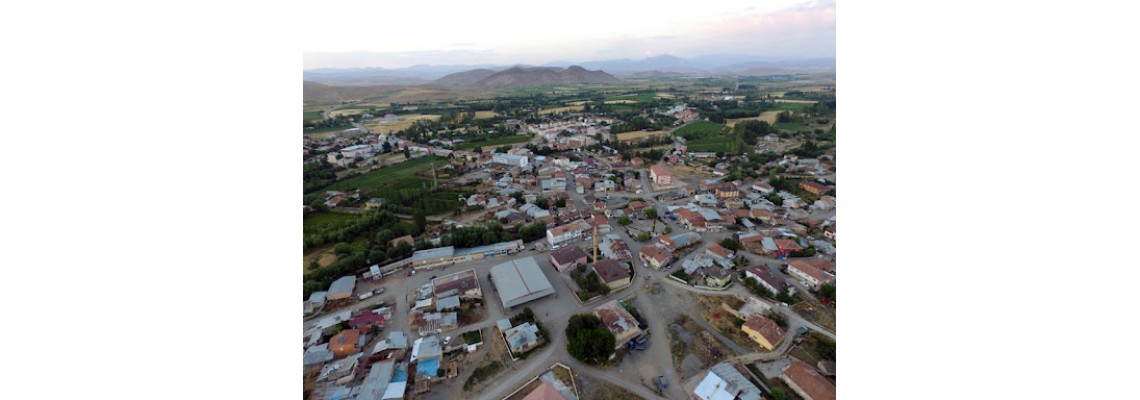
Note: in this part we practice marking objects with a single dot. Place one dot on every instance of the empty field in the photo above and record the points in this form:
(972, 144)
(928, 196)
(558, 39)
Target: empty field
(769, 116)
(405, 121)
(395, 177)
(347, 112)
(488, 144)
(638, 135)
(485, 114)
(312, 115)
(560, 109)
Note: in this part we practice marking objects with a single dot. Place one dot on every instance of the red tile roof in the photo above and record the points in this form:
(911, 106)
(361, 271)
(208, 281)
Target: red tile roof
(810, 381)
(567, 255)
(767, 328)
(611, 270)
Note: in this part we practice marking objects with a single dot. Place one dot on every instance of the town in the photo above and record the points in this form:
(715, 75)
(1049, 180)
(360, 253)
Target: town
(674, 239)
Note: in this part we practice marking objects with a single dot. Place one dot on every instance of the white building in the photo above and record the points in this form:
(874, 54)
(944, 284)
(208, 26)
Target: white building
(511, 159)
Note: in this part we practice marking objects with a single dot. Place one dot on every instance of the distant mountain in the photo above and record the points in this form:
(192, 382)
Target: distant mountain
(663, 65)
(465, 78)
(538, 76)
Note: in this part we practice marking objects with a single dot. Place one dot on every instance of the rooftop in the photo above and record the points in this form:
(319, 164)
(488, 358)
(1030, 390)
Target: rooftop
(516, 279)
(611, 270)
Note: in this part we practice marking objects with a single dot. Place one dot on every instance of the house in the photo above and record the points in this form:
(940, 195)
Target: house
(562, 234)
(727, 191)
(807, 382)
(613, 273)
(691, 219)
(553, 185)
(463, 284)
(813, 276)
(679, 241)
(823, 264)
(522, 338)
(827, 368)
(763, 188)
(767, 279)
(661, 175)
(636, 162)
(567, 258)
(344, 343)
(829, 232)
(364, 320)
(764, 331)
(655, 256)
(724, 382)
(545, 391)
(343, 368)
(813, 187)
(619, 321)
(717, 276)
(706, 199)
(406, 239)
(786, 246)
(341, 288)
(720, 254)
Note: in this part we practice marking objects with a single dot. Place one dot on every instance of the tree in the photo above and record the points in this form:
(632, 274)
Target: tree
(730, 244)
(827, 290)
(668, 229)
(643, 237)
(624, 220)
(589, 339)
(561, 202)
(407, 153)
(421, 219)
(651, 213)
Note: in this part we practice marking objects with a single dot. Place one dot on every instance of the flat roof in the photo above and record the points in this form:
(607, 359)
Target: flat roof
(433, 253)
(519, 278)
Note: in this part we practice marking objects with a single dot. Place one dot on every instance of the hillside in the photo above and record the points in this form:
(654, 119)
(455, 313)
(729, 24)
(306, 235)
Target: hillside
(540, 76)
(465, 78)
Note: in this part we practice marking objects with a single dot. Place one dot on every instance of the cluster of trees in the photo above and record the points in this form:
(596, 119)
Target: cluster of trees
(808, 252)
(371, 221)
(318, 174)
(589, 340)
(730, 244)
(827, 290)
(334, 122)
(354, 257)
(809, 150)
(635, 124)
(643, 237)
(588, 283)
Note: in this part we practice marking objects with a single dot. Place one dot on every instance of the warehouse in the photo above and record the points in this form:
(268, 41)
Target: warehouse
(520, 281)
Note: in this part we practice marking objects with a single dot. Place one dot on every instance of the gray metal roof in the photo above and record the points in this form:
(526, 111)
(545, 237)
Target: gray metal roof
(519, 278)
(447, 302)
(343, 284)
(376, 383)
(430, 254)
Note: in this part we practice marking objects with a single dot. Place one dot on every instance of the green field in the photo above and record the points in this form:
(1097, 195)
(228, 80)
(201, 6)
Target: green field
(489, 144)
(640, 97)
(792, 126)
(326, 130)
(395, 177)
(314, 221)
(312, 115)
(790, 107)
(701, 129)
(712, 143)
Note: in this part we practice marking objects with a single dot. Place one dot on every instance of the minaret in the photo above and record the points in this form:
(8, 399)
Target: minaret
(595, 241)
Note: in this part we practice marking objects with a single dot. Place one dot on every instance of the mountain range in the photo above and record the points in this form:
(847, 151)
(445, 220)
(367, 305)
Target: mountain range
(484, 75)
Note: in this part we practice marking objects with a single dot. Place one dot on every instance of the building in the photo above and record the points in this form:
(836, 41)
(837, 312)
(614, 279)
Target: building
(655, 256)
(764, 331)
(815, 188)
(545, 391)
(511, 159)
(727, 191)
(364, 320)
(391, 119)
(341, 288)
(567, 258)
(807, 382)
(613, 273)
(463, 284)
(344, 343)
(553, 185)
(661, 175)
(808, 273)
(522, 338)
(564, 233)
(619, 321)
(716, 276)
(767, 279)
(720, 254)
(520, 281)
(724, 382)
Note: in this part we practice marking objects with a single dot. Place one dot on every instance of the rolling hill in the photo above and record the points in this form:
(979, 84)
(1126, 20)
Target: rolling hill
(519, 76)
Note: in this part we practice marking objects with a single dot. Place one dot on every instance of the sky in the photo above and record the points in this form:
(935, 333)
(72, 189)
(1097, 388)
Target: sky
(356, 34)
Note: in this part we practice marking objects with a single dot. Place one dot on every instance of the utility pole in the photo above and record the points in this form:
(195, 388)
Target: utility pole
(595, 241)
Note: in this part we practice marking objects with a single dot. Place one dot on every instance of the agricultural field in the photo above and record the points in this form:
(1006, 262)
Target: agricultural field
(768, 116)
(700, 129)
(792, 126)
(487, 145)
(485, 114)
(321, 133)
(391, 178)
(312, 115)
(713, 144)
(797, 101)
(347, 112)
(638, 135)
(405, 121)
(560, 109)
(631, 98)
(621, 101)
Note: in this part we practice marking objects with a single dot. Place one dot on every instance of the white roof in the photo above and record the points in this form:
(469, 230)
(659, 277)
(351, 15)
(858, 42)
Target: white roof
(713, 388)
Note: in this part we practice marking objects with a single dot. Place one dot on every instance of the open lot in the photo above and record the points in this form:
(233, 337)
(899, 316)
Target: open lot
(405, 121)
(638, 135)
(594, 389)
(560, 109)
(723, 321)
(490, 144)
(817, 314)
(693, 348)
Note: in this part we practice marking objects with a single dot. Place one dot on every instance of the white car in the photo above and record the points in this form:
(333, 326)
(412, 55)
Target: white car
(447, 340)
